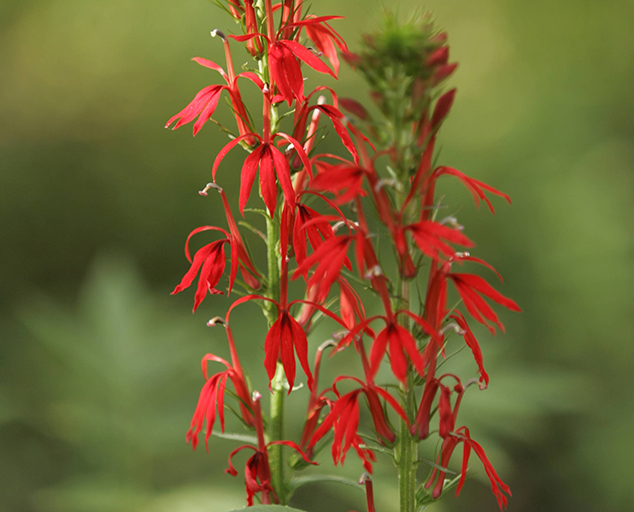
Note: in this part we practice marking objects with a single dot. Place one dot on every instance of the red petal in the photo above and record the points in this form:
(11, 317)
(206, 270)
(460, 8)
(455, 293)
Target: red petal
(247, 176)
(268, 185)
(272, 348)
(308, 57)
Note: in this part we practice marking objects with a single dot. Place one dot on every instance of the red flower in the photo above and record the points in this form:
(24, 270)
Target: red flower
(473, 344)
(309, 223)
(204, 103)
(330, 257)
(212, 397)
(284, 67)
(470, 288)
(284, 338)
(344, 419)
(431, 238)
(345, 180)
(326, 40)
(257, 472)
(398, 340)
(421, 426)
(210, 260)
(449, 444)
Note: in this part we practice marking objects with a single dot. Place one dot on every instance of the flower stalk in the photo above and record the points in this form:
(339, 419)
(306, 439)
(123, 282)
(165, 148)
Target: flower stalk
(325, 215)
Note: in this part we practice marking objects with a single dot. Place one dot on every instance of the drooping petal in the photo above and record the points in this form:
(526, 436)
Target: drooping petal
(268, 185)
(247, 176)
(272, 348)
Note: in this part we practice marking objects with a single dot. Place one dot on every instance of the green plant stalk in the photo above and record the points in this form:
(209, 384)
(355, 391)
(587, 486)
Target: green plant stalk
(276, 432)
(406, 451)
(276, 418)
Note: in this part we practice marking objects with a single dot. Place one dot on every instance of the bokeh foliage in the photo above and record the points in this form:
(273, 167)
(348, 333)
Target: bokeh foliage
(99, 368)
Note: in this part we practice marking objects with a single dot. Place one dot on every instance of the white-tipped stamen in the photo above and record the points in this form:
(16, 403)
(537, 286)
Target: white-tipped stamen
(453, 222)
(385, 182)
(453, 326)
(365, 477)
(209, 186)
(256, 396)
(217, 32)
(314, 50)
(215, 321)
(375, 271)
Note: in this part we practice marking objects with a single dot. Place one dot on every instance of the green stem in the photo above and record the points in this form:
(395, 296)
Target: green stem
(406, 450)
(276, 432)
(407, 454)
(276, 418)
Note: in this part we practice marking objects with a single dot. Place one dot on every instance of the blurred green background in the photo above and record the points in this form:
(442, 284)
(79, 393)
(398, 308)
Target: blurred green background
(99, 367)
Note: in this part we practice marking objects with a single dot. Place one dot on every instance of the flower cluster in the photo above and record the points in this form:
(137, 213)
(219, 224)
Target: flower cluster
(325, 215)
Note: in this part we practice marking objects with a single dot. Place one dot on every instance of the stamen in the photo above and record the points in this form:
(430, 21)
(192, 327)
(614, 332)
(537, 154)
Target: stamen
(364, 478)
(216, 32)
(453, 326)
(375, 271)
(204, 191)
(314, 50)
(215, 321)
(256, 396)
(383, 182)
(453, 221)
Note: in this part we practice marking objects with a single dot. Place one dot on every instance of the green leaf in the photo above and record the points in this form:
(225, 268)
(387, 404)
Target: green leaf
(268, 508)
(237, 437)
(296, 483)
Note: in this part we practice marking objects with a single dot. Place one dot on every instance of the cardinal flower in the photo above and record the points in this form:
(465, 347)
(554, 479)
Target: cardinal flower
(398, 340)
(462, 435)
(212, 398)
(285, 338)
(210, 260)
(204, 103)
(343, 418)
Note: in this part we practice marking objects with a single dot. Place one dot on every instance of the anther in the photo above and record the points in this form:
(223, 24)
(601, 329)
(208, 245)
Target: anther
(216, 32)
(384, 182)
(365, 477)
(453, 221)
(375, 271)
(315, 51)
(204, 191)
(256, 396)
(465, 254)
(453, 326)
(266, 89)
(215, 321)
